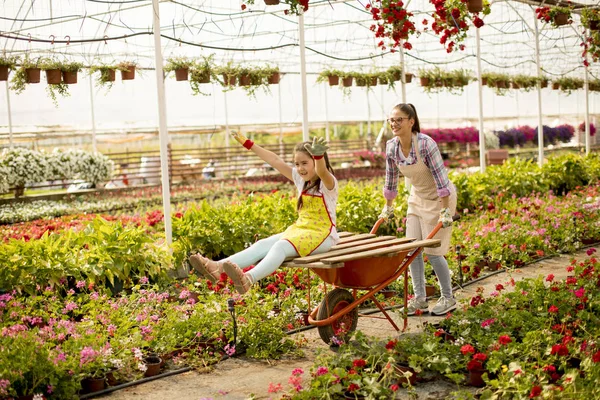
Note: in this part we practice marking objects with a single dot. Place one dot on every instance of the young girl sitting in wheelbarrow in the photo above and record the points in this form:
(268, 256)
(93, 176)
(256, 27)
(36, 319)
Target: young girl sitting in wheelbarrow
(314, 232)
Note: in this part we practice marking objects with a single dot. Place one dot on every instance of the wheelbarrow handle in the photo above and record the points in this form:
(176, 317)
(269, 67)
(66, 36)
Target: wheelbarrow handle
(435, 230)
(439, 225)
(376, 226)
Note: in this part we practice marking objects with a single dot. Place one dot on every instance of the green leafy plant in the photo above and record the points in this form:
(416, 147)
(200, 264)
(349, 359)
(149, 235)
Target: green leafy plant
(555, 15)
(202, 72)
(568, 84)
(498, 82)
(107, 75)
(524, 82)
(54, 89)
(19, 79)
(326, 74)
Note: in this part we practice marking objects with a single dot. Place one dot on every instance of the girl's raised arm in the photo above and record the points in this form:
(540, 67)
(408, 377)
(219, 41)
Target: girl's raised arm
(317, 150)
(266, 155)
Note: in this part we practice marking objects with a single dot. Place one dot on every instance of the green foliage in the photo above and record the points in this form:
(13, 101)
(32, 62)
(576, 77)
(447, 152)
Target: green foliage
(19, 79)
(566, 172)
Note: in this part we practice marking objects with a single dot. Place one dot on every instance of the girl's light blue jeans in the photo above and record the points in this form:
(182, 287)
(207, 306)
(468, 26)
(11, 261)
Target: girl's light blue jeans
(272, 251)
(417, 267)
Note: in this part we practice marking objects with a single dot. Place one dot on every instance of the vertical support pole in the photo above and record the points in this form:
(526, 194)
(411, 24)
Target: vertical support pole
(480, 101)
(227, 130)
(9, 113)
(539, 95)
(402, 77)
(587, 102)
(281, 148)
(162, 127)
(303, 77)
(94, 147)
(326, 114)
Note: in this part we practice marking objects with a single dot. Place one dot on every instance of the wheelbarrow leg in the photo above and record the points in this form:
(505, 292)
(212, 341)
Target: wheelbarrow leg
(405, 316)
(378, 304)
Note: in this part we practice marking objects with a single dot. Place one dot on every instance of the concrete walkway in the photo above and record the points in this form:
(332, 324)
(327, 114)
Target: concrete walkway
(241, 378)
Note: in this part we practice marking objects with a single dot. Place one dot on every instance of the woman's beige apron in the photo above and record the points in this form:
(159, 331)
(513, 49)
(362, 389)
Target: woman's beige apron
(312, 227)
(425, 203)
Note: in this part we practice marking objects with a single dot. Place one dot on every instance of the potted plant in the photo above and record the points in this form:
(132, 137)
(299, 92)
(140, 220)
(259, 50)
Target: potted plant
(181, 66)
(229, 73)
(7, 64)
(201, 73)
(451, 19)
(107, 74)
(69, 71)
(568, 84)
(330, 75)
(497, 82)
(555, 15)
(29, 72)
(54, 77)
(127, 69)
(524, 82)
(273, 75)
(392, 23)
(590, 18)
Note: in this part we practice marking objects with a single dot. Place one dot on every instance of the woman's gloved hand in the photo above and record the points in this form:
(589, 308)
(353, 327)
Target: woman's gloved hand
(243, 140)
(318, 148)
(445, 217)
(386, 213)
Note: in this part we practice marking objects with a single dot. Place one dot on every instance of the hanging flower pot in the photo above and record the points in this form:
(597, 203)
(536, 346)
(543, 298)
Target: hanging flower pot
(271, 2)
(347, 81)
(53, 76)
(245, 80)
(334, 80)
(483, 81)
(127, 71)
(181, 74)
(361, 82)
(274, 78)
(229, 80)
(475, 6)
(33, 75)
(501, 84)
(561, 19)
(69, 77)
(3, 72)
(424, 81)
(594, 26)
(408, 77)
(555, 85)
(515, 85)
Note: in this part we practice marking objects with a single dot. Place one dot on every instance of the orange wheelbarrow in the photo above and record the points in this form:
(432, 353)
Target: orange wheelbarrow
(359, 262)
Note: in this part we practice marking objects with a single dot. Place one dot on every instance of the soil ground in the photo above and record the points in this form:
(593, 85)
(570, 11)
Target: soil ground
(241, 378)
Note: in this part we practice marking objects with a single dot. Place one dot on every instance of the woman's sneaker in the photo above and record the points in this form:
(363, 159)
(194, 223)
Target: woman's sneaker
(443, 305)
(414, 304)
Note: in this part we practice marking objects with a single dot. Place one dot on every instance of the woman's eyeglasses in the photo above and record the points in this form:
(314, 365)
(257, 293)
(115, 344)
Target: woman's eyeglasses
(396, 121)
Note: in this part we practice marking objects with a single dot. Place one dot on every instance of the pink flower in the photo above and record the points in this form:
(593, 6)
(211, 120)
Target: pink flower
(297, 372)
(579, 292)
(322, 371)
(591, 251)
(275, 388)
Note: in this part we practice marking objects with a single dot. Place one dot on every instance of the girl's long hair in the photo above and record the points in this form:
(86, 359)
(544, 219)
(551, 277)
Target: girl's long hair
(307, 185)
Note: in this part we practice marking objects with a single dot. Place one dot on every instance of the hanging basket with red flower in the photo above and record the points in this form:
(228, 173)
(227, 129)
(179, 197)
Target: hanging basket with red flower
(392, 23)
(450, 21)
(556, 15)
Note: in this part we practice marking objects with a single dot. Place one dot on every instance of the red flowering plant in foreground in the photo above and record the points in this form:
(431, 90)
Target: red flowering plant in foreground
(392, 23)
(450, 20)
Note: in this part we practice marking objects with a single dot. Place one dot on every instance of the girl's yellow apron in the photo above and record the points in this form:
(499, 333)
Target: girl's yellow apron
(312, 227)
(425, 203)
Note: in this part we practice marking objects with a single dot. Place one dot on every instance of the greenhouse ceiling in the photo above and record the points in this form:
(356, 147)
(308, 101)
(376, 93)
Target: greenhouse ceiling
(337, 35)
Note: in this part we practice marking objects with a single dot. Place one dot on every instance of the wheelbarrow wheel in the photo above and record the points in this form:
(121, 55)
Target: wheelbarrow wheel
(335, 301)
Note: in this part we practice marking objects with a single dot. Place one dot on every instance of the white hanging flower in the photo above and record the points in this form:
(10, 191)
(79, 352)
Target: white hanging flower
(24, 166)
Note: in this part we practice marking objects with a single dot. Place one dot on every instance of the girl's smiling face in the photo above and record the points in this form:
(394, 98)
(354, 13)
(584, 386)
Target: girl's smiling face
(305, 165)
